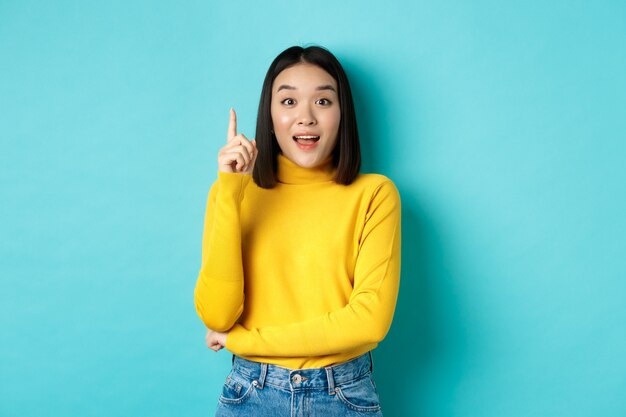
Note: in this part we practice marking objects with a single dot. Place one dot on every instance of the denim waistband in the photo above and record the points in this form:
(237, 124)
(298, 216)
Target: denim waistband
(302, 379)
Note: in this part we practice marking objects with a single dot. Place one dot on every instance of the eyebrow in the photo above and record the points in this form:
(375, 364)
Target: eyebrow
(320, 88)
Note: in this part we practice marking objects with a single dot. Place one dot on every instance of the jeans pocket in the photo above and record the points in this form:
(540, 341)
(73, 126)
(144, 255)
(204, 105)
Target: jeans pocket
(359, 395)
(236, 389)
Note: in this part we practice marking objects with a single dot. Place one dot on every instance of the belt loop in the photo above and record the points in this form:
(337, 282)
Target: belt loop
(371, 362)
(331, 380)
(263, 375)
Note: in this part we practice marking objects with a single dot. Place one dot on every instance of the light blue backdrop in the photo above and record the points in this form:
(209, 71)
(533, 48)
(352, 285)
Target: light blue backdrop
(503, 125)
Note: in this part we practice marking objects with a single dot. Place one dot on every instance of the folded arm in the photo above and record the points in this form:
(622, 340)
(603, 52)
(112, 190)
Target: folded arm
(367, 316)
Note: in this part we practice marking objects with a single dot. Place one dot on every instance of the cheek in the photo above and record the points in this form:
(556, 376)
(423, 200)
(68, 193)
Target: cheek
(333, 121)
(280, 120)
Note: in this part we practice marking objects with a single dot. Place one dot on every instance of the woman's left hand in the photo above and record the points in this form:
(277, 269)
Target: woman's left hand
(215, 340)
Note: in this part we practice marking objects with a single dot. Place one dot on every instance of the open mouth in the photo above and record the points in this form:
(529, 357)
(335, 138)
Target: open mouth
(306, 139)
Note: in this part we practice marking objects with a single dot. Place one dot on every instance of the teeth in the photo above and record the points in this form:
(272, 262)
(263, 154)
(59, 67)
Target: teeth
(306, 137)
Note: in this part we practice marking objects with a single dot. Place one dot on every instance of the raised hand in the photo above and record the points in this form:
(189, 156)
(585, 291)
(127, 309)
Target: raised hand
(239, 154)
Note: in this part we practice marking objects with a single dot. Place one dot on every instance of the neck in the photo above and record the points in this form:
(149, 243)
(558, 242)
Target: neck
(291, 173)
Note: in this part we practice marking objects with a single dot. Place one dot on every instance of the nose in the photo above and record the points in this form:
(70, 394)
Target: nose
(306, 117)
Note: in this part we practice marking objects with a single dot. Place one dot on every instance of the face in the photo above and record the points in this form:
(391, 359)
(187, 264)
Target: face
(305, 114)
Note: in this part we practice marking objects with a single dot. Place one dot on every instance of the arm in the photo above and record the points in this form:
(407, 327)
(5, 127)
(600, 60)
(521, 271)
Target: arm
(219, 291)
(367, 316)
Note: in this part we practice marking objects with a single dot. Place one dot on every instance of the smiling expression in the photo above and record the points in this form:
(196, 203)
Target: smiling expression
(305, 114)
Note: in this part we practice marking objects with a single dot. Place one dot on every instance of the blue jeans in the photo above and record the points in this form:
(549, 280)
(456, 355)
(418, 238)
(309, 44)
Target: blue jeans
(260, 389)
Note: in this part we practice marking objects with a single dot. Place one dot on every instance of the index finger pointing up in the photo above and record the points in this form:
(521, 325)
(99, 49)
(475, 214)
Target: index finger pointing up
(232, 125)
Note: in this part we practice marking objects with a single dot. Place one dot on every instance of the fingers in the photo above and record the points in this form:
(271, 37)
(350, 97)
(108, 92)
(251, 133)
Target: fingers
(255, 153)
(232, 161)
(232, 133)
(232, 125)
(238, 155)
(241, 140)
(212, 341)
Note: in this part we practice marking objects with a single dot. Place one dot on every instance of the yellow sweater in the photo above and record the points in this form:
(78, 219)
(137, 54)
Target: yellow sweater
(303, 275)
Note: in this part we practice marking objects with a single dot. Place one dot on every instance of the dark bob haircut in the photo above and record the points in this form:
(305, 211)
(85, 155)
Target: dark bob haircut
(346, 156)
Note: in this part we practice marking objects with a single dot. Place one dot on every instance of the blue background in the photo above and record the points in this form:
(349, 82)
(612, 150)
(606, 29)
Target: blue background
(502, 123)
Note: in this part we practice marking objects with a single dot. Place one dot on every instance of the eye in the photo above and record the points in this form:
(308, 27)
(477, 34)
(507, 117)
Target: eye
(324, 102)
(288, 101)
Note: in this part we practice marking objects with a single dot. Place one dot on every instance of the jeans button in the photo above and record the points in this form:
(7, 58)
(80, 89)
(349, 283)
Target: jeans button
(297, 378)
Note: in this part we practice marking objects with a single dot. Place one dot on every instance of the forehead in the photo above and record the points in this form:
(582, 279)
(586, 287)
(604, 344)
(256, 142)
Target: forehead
(303, 76)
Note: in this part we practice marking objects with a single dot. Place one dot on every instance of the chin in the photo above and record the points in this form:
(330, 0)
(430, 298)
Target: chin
(307, 161)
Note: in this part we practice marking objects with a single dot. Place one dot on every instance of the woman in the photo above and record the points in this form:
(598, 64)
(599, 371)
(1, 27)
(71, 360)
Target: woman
(301, 253)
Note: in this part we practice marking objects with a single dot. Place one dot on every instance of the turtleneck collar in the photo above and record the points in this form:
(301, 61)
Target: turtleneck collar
(292, 173)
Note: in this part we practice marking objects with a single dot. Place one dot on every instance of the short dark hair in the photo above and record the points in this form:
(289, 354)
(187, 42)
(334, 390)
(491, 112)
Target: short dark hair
(346, 156)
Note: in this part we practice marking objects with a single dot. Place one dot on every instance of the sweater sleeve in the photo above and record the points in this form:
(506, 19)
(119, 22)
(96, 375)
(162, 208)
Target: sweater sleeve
(367, 316)
(219, 292)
